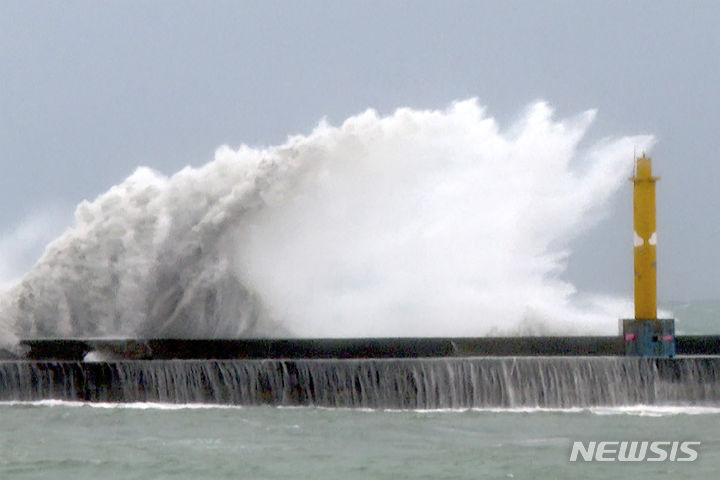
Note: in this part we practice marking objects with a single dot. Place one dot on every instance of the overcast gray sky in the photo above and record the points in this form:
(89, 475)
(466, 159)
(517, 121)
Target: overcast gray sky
(90, 90)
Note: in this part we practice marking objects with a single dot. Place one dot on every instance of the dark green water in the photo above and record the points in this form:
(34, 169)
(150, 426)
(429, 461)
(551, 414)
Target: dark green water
(74, 441)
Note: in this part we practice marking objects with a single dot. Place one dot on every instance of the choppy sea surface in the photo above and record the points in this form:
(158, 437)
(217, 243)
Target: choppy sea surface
(61, 440)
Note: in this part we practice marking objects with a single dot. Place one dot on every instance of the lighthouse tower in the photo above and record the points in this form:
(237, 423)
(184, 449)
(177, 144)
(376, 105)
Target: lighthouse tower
(646, 335)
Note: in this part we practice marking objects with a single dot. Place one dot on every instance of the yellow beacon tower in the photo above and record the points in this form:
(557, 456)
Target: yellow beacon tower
(646, 335)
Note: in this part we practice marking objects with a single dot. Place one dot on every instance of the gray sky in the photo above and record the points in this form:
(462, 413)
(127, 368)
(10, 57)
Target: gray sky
(90, 90)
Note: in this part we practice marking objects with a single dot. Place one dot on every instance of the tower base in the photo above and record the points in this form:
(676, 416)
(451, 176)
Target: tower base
(649, 338)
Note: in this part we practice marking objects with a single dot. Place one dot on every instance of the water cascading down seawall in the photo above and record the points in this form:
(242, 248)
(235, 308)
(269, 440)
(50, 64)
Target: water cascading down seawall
(368, 383)
(367, 373)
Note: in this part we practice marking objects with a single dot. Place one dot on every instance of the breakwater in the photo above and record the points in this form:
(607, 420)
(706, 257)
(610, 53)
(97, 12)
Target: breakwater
(416, 383)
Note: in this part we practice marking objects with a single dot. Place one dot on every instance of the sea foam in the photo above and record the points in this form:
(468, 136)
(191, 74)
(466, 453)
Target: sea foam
(417, 223)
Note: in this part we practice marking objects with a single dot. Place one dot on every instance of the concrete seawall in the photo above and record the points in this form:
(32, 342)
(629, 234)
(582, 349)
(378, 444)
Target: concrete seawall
(414, 383)
(326, 348)
(423, 373)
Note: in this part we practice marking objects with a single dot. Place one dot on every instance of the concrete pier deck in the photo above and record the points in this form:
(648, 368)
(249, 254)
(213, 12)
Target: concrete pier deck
(345, 348)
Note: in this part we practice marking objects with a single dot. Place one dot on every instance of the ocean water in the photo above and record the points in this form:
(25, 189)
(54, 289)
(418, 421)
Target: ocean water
(61, 440)
(699, 317)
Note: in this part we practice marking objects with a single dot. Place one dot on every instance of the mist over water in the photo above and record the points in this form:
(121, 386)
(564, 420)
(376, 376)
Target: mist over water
(418, 223)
